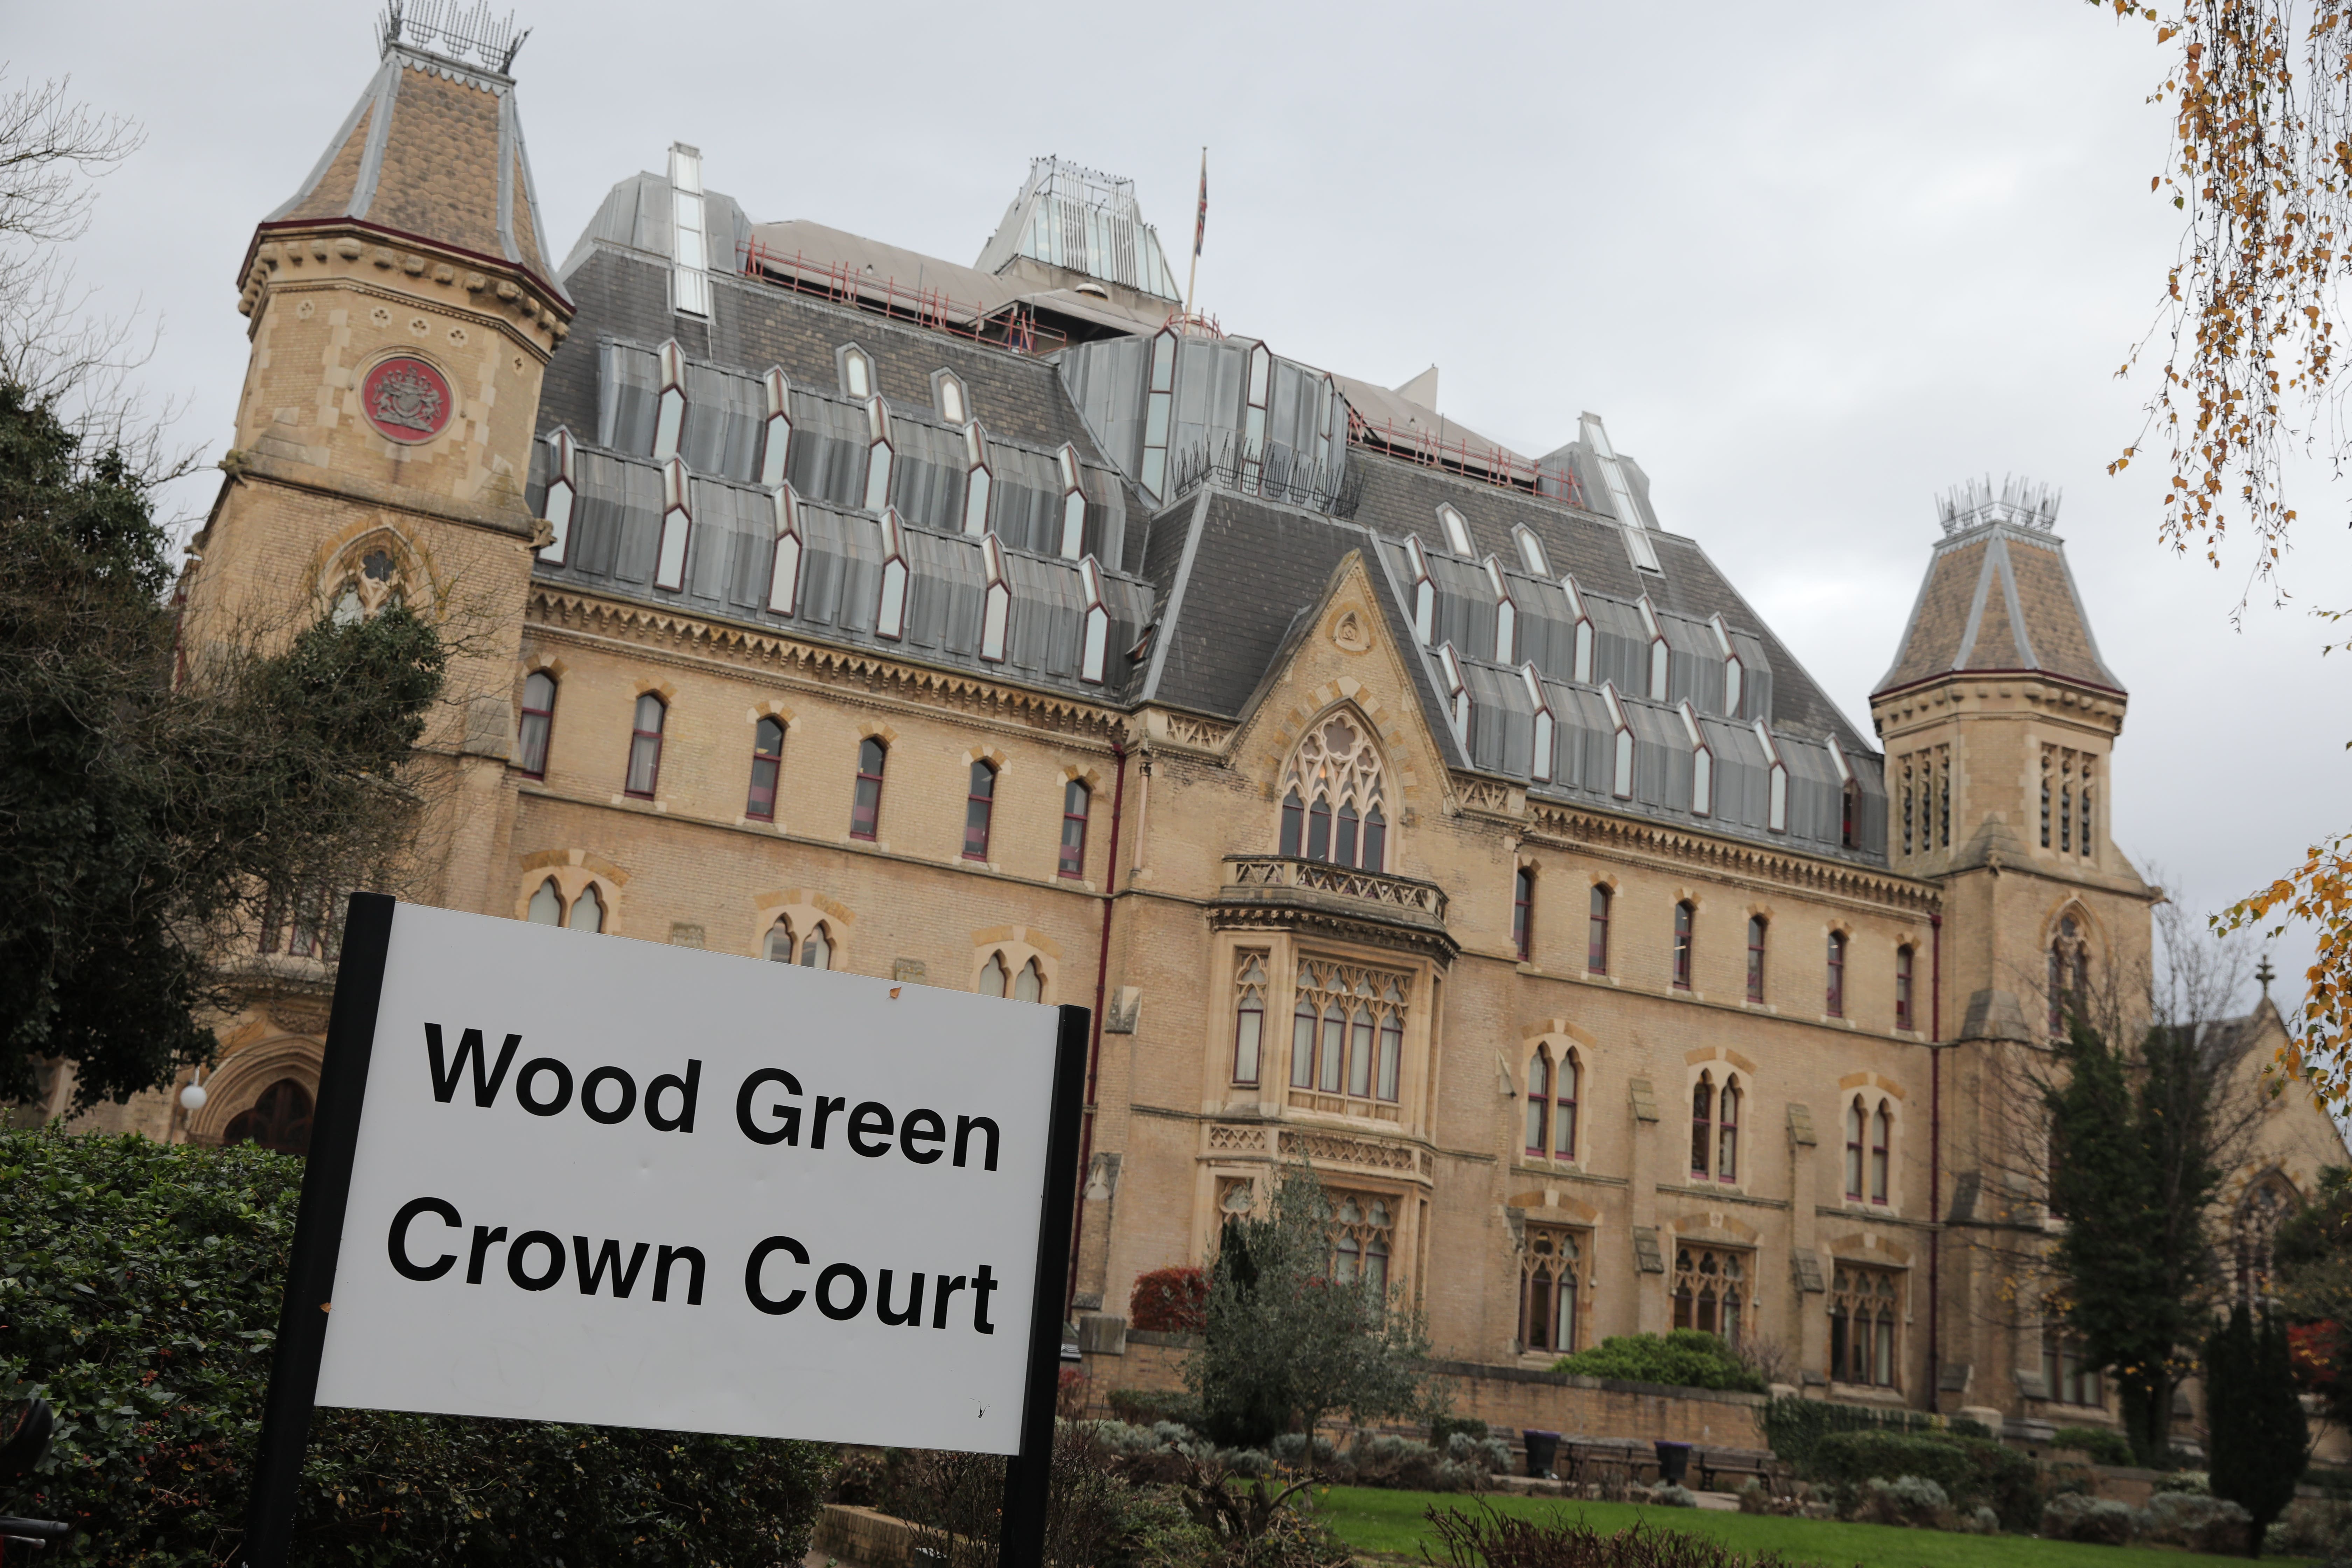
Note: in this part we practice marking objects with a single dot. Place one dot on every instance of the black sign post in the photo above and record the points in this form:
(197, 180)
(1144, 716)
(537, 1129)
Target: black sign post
(319, 1233)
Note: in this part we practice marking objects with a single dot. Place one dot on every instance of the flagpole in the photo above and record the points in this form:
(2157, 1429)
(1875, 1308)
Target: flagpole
(1200, 226)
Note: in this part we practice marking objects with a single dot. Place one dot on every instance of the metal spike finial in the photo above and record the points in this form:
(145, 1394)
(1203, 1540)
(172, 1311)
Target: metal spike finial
(2021, 504)
(448, 28)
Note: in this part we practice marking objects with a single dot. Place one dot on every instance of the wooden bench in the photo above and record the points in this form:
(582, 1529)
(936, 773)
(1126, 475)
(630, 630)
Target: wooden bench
(1709, 1463)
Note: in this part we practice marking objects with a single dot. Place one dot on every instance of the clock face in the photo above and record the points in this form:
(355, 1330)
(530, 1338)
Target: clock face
(406, 400)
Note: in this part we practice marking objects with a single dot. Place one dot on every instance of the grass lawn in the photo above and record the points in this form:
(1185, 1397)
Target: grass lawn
(1373, 1521)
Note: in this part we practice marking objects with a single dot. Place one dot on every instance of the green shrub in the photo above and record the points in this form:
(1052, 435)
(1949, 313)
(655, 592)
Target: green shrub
(1685, 1358)
(1442, 1428)
(1973, 1472)
(141, 1285)
(1792, 1426)
(2103, 1444)
(1148, 1406)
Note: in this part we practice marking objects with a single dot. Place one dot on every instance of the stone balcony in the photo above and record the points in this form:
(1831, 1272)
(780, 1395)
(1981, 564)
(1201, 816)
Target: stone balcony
(1284, 891)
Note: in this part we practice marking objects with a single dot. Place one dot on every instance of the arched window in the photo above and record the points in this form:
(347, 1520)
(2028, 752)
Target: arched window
(816, 948)
(1522, 912)
(280, 1119)
(767, 762)
(1837, 974)
(1863, 1316)
(587, 911)
(1331, 1071)
(645, 746)
(1756, 930)
(1881, 1148)
(780, 942)
(1391, 1047)
(1360, 1052)
(547, 905)
(865, 805)
(1596, 937)
(1727, 1131)
(1710, 1290)
(1029, 985)
(1548, 1276)
(1332, 797)
(1303, 1019)
(1540, 1101)
(1701, 1125)
(1076, 801)
(992, 975)
(1853, 1134)
(2070, 974)
(978, 806)
(1249, 1017)
(538, 723)
(1684, 916)
(1903, 989)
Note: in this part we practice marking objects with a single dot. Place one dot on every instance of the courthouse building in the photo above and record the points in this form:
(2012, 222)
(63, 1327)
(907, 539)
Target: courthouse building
(1433, 813)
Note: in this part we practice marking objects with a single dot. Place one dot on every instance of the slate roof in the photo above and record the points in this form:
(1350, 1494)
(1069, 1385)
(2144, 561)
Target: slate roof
(433, 150)
(1998, 597)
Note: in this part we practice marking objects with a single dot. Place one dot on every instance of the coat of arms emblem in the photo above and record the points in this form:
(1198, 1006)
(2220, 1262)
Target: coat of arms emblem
(406, 399)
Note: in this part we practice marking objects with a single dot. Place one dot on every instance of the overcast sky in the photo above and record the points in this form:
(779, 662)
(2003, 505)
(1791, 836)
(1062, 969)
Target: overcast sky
(1813, 264)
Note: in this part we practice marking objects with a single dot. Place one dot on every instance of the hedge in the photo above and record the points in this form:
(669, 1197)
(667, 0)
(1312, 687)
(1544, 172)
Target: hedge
(1793, 1426)
(1975, 1471)
(138, 1292)
(1687, 1358)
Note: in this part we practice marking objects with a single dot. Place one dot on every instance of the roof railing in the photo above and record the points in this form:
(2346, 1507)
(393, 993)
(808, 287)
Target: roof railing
(1493, 464)
(1271, 471)
(1012, 327)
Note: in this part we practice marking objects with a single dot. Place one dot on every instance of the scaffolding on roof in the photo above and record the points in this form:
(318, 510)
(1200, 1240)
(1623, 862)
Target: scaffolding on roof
(1013, 326)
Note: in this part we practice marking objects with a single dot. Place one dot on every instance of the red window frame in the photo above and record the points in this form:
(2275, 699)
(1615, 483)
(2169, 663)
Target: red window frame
(1522, 912)
(979, 810)
(1758, 928)
(534, 738)
(1077, 800)
(767, 763)
(865, 803)
(646, 748)
(1837, 974)
(1902, 988)
(1596, 942)
(1684, 918)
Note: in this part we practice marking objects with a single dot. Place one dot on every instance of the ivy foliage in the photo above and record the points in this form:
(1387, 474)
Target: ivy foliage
(155, 796)
(139, 1293)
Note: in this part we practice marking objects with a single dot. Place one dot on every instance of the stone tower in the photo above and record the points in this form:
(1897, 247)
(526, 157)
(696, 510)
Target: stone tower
(402, 314)
(1999, 721)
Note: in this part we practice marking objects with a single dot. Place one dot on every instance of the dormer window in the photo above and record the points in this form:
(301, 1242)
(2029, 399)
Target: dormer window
(677, 520)
(784, 571)
(669, 417)
(1661, 658)
(1424, 592)
(1583, 630)
(1733, 675)
(1622, 775)
(976, 480)
(1159, 410)
(1539, 767)
(890, 617)
(1457, 530)
(857, 368)
(1457, 694)
(1531, 552)
(563, 489)
(1073, 503)
(946, 396)
(776, 440)
(997, 613)
(689, 247)
(1506, 614)
(1096, 644)
(1848, 789)
(877, 455)
(1702, 762)
(1778, 821)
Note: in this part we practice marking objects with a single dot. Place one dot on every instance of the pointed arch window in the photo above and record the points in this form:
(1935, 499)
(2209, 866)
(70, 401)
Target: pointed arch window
(1726, 1129)
(1076, 799)
(678, 524)
(878, 454)
(1550, 1272)
(562, 491)
(776, 433)
(992, 975)
(1347, 1038)
(948, 398)
(996, 606)
(1507, 613)
(1856, 1122)
(1863, 1312)
(1523, 913)
(1757, 930)
(1392, 1047)
(1531, 551)
(779, 941)
(1424, 592)
(1882, 1151)
(1158, 413)
(1702, 1141)
(1249, 1016)
(865, 803)
(1711, 1290)
(1702, 762)
(1903, 1019)
(978, 478)
(1540, 1102)
(1334, 790)
(1732, 670)
(1552, 1104)
(547, 905)
(979, 810)
(1777, 817)
(1539, 766)
(1458, 531)
(767, 763)
(1261, 388)
(538, 724)
(1596, 932)
(1074, 504)
(2070, 973)
(1661, 658)
(784, 568)
(856, 367)
(1303, 1020)
(1458, 693)
(645, 746)
(1583, 629)
(587, 911)
(1685, 917)
(890, 614)
(1095, 634)
(669, 411)
(1621, 784)
(280, 1119)
(816, 948)
(1029, 985)
(1835, 1000)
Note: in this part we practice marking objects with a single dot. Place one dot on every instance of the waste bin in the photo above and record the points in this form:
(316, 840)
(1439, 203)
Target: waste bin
(1674, 1461)
(1543, 1447)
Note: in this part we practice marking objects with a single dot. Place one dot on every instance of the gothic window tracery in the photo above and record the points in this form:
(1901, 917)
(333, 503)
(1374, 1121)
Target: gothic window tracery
(1347, 1040)
(1363, 1237)
(1551, 1287)
(1334, 797)
(1864, 1309)
(1711, 1290)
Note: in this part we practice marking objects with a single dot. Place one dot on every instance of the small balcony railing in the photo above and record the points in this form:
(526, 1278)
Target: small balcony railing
(1369, 894)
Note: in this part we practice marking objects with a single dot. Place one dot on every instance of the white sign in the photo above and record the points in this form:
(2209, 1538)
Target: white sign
(619, 1183)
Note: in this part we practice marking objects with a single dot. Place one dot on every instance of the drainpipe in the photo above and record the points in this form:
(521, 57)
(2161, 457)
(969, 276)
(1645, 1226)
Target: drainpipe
(1935, 1152)
(1093, 1050)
